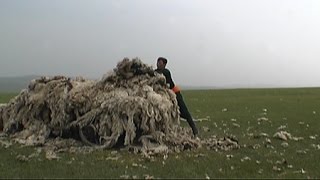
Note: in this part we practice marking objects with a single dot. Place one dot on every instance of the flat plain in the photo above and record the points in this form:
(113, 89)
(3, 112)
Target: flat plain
(255, 117)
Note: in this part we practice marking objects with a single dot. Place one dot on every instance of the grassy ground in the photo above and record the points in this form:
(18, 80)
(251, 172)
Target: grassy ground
(245, 113)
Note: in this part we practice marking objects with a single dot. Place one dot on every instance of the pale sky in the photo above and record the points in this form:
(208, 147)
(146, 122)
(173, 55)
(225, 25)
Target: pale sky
(207, 42)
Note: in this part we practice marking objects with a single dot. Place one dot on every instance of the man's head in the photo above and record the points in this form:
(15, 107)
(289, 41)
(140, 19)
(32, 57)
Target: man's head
(161, 62)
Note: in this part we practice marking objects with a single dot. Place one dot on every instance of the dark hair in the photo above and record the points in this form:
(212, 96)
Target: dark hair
(164, 60)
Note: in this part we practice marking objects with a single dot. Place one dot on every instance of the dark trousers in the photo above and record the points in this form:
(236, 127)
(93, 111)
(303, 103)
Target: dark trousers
(184, 113)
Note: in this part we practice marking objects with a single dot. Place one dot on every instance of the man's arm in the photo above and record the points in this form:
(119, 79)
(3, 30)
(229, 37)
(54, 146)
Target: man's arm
(169, 80)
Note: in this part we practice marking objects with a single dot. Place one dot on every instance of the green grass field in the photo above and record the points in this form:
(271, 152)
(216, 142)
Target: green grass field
(244, 113)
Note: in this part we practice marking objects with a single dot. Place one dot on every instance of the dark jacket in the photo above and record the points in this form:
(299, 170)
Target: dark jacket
(167, 75)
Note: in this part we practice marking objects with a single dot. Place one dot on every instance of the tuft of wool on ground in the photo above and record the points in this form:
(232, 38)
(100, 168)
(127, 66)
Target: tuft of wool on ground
(129, 107)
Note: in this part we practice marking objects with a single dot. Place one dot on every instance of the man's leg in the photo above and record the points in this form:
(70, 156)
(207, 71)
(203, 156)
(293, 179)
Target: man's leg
(184, 113)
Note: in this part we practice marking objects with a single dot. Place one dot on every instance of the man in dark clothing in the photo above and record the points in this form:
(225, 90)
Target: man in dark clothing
(184, 112)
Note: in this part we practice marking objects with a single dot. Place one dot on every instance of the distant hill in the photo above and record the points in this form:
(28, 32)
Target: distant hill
(15, 84)
(185, 87)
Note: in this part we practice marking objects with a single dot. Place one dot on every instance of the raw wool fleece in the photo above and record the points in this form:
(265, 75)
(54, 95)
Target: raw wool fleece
(131, 103)
(1, 121)
(130, 107)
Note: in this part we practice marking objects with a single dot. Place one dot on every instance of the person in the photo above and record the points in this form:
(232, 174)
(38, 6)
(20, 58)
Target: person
(184, 112)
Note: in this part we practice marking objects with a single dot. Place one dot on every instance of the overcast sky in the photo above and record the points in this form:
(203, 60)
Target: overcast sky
(207, 42)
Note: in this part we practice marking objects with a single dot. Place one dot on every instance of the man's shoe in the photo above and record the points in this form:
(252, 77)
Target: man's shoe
(195, 131)
(196, 137)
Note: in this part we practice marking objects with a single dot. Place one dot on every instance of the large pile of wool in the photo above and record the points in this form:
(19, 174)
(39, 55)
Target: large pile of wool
(131, 106)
